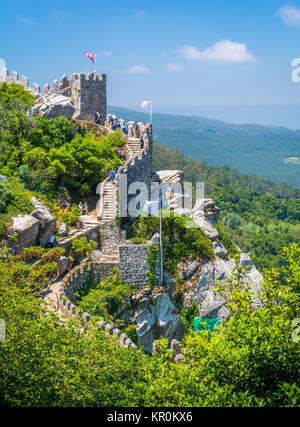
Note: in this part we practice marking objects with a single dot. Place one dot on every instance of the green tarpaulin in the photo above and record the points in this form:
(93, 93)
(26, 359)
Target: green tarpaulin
(200, 325)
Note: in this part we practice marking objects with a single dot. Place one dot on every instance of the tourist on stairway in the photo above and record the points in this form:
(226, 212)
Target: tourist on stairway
(112, 175)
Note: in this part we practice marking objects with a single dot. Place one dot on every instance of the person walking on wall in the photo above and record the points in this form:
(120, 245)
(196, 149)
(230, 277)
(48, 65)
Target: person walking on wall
(130, 130)
(97, 117)
(80, 207)
(112, 175)
(86, 208)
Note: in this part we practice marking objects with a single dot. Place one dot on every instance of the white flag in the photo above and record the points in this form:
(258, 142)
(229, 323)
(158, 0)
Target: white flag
(151, 207)
(145, 106)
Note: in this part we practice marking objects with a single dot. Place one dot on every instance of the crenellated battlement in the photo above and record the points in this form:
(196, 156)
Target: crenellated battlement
(35, 89)
(89, 77)
(14, 78)
(87, 92)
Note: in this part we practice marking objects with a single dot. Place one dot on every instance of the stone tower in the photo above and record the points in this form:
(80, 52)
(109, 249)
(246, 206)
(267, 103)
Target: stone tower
(88, 94)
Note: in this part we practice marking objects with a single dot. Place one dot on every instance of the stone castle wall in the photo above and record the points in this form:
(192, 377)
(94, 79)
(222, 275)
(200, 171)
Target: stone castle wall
(88, 93)
(136, 169)
(74, 281)
(111, 238)
(134, 264)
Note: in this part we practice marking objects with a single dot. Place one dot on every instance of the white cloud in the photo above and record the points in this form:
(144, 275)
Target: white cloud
(106, 53)
(174, 67)
(222, 51)
(138, 69)
(289, 15)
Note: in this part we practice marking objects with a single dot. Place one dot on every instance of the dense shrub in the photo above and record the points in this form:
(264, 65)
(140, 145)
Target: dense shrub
(179, 241)
(82, 247)
(30, 254)
(12, 93)
(103, 301)
(20, 203)
(48, 153)
(71, 217)
(41, 274)
(227, 241)
(6, 196)
(252, 361)
(130, 331)
(53, 255)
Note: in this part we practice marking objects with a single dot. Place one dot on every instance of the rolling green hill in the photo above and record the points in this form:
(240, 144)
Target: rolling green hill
(250, 149)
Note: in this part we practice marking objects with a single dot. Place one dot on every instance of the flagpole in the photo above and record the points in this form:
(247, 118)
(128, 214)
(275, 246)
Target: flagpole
(151, 111)
(95, 64)
(160, 238)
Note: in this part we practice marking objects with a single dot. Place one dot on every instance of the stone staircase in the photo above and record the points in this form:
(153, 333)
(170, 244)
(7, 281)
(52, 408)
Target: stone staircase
(109, 202)
(135, 145)
(108, 194)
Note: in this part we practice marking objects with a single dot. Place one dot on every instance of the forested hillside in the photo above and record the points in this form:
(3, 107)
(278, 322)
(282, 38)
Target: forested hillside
(48, 359)
(251, 149)
(257, 214)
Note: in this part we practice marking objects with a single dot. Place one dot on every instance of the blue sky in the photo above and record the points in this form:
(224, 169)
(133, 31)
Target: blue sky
(180, 54)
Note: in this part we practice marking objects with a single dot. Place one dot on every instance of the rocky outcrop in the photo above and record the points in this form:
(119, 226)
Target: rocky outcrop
(155, 317)
(219, 250)
(27, 228)
(200, 286)
(205, 213)
(47, 223)
(63, 230)
(34, 229)
(54, 105)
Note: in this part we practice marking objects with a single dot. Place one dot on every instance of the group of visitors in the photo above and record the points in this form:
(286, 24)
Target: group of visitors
(84, 208)
(116, 124)
(130, 129)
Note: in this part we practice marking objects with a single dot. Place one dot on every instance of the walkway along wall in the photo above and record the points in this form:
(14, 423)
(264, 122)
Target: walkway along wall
(76, 280)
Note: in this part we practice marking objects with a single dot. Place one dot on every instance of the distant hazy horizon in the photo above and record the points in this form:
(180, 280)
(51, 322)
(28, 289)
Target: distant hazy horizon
(270, 115)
